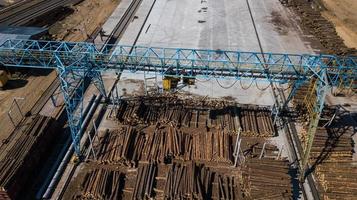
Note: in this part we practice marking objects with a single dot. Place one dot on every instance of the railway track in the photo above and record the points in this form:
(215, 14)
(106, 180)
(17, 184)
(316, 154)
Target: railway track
(23, 12)
(120, 28)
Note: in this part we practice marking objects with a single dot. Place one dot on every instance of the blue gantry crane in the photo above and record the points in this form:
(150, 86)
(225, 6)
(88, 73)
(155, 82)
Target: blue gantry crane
(75, 61)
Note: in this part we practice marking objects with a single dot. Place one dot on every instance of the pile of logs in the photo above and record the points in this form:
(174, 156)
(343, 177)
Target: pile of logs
(257, 122)
(259, 179)
(167, 143)
(123, 146)
(267, 178)
(259, 149)
(195, 181)
(225, 118)
(332, 145)
(145, 181)
(175, 149)
(21, 156)
(254, 121)
(215, 147)
(133, 112)
(163, 143)
(321, 28)
(180, 180)
(102, 184)
(331, 155)
(337, 179)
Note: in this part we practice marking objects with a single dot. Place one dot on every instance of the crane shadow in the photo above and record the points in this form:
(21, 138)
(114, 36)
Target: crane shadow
(342, 126)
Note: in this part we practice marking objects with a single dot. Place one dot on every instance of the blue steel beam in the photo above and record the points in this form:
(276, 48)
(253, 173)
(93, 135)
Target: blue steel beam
(77, 61)
(169, 61)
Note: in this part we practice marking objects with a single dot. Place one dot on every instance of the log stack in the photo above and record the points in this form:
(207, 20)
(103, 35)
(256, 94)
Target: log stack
(322, 29)
(331, 155)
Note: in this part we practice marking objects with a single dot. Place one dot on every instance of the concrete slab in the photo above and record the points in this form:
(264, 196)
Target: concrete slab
(278, 28)
(224, 24)
(200, 24)
(136, 25)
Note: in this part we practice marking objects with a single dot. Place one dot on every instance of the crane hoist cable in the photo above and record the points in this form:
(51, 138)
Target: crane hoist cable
(261, 89)
(246, 88)
(226, 87)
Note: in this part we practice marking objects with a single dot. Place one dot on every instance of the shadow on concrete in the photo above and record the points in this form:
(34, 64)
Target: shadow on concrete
(343, 125)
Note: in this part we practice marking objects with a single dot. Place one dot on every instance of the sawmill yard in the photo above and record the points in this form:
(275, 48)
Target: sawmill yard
(161, 136)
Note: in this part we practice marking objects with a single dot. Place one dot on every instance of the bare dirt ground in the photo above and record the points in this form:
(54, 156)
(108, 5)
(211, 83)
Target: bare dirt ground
(87, 16)
(31, 92)
(84, 21)
(343, 14)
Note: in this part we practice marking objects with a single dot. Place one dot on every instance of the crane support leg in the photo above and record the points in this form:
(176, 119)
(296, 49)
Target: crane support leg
(72, 85)
(97, 79)
(321, 90)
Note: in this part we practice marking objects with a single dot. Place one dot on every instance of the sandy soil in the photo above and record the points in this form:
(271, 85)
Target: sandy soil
(31, 92)
(343, 13)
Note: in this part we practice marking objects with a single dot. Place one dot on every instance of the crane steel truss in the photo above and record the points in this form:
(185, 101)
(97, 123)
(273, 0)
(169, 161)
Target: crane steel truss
(76, 61)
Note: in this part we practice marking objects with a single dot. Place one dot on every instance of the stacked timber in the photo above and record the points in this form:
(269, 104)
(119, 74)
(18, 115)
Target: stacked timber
(331, 144)
(101, 184)
(127, 146)
(122, 146)
(196, 181)
(267, 178)
(324, 30)
(331, 155)
(256, 149)
(132, 113)
(211, 146)
(169, 148)
(225, 118)
(338, 179)
(254, 121)
(167, 143)
(257, 122)
(300, 95)
(179, 180)
(144, 185)
(21, 157)
(305, 98)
